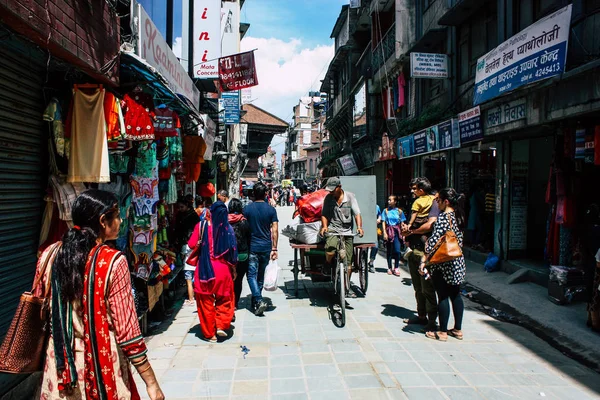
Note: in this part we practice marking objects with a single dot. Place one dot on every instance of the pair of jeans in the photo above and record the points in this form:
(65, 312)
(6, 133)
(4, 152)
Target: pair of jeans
(446, 294)
(393, 252)
(257, 263)
(241, 269)
(424, 291)
(374, 251)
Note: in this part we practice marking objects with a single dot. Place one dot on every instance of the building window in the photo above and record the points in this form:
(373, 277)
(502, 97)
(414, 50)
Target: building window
(475, 38)
(310, 167)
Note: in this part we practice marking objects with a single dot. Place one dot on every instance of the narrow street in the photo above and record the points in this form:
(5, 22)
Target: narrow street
(295, 351)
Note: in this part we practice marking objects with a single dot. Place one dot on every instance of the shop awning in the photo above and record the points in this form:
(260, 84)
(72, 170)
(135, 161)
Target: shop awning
(135, 71)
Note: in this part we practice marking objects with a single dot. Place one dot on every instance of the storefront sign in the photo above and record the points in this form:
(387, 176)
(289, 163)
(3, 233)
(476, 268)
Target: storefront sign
(210, 131)
(428, 65)
(420, 142)
(505, 113)
(469, 125)
(537, 52)
(404, 147)
(155, 51)
(231, 107)
(207, 34)
(230, 33)
(448, 135)
(348, 165)
(519, 169)
(237, 71)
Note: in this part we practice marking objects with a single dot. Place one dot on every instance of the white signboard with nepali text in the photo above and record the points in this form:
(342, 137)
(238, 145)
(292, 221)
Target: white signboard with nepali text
(537, 52)
(428, 65)
(156, 52)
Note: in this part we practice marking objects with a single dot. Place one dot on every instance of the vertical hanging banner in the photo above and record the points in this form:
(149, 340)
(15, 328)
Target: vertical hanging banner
(207, 38)
(537, 52)
(230, 28)
(237, 71)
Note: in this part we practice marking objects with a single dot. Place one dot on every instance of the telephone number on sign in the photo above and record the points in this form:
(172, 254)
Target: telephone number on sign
(550, 69)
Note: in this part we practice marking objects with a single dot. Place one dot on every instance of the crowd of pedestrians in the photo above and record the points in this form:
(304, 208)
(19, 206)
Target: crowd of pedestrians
(223, 243)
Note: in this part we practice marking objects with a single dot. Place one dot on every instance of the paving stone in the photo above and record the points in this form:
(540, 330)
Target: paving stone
(356, 369)
(184, 375)
(362, 381)
(341, 395)
(460, 393)
(317, 358)
(349, 357)
(213, 375)
(250, 361)
(251, 374)
(420, 393)
(404, 366)
(290, 396)
(413, 379)
(279, 386)
(216, 362)
(478, 380)
(314, 347)
(210, 389)
(256, 388)
(447, 379)
(325, 384)
(321, 370)
(285, 360)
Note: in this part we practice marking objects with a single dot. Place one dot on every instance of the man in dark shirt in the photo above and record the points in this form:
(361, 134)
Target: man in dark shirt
(427, 310)
(263, 222)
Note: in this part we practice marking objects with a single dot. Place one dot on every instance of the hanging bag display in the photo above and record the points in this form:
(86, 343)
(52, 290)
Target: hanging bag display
(192, 258)
(446, 249)
(24, 345)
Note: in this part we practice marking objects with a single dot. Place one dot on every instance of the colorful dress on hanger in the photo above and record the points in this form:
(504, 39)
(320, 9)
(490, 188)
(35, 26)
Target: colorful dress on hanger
(166, 123)
(115, 124)
(193, 157)
(139, 116)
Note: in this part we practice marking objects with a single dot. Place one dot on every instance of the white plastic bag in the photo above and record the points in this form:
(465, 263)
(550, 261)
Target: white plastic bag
(271, 275)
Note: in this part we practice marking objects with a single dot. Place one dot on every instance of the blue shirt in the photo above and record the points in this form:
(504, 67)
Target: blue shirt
(393, 217)
(260, 216)
(378, 211)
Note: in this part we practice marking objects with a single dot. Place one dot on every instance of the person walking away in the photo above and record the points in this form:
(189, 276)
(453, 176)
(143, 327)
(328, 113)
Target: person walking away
(245, 199)
(392, 220)
(375, 249)
(201, 208)
(447, 277)
(223, 195)
(339, 208)
(92, 311)
(264, 229)
(213, 283)
(242, 236)
(185, 222)
(424, 291)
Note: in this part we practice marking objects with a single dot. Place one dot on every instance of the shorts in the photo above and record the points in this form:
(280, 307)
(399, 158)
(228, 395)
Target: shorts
(189, 275)
(331, 245)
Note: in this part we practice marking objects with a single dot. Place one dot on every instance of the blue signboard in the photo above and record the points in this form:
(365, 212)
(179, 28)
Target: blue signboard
(231, 105)
(420, 142)
(537, 52)
(404, 146)
(469, 124)
(446, 135)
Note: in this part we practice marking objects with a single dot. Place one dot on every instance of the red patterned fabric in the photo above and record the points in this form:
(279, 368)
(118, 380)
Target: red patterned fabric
(139, 116)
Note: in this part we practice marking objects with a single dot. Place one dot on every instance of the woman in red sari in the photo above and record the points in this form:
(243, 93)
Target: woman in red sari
(213, 282)
(95, 334)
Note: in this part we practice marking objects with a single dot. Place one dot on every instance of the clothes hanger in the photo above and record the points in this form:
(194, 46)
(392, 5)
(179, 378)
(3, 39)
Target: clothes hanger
(87, 86)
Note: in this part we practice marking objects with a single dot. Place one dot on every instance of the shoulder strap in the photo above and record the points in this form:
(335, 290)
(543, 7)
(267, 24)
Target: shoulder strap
(50, 256)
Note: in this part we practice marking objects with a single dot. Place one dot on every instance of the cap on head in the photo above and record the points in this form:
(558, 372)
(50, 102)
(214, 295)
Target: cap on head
(333, 183)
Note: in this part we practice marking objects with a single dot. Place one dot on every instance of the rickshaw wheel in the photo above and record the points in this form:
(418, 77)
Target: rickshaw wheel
(363, 274)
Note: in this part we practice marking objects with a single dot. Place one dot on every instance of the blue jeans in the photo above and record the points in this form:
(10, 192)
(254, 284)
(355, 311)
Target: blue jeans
(257, 263)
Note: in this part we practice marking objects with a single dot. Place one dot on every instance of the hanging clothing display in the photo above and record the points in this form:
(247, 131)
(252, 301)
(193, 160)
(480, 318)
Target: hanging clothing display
(139, 116)
(145, 164)
(88, 161)
(145, 194)
(53, 114)
(115, 124)
(193, 157)
(166, 123)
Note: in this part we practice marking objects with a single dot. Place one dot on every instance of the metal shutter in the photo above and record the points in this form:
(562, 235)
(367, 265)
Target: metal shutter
(22, 174)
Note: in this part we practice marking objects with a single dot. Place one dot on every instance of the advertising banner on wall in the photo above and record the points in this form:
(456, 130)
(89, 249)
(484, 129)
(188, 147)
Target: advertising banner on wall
(438, 137)
(237, 71)
(537, 52)
(469, 124)
(231, 107)
(348, 165)
(210, 131)
(428, 65)
(387, 150)
(207, 38)
(153, 48)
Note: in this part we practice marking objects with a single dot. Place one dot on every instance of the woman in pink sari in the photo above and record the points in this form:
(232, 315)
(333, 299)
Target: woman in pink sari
(213, 283)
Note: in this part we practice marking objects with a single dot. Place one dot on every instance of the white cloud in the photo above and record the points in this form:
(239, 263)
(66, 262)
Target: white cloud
(177, 46)
(286, 71)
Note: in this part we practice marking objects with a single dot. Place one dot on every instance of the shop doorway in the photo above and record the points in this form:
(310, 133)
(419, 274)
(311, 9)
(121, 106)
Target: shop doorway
(434, 169)
(476, 178)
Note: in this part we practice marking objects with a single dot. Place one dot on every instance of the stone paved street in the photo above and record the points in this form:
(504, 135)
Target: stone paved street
(297, 353)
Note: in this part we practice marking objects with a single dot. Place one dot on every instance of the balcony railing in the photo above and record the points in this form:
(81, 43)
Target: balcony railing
(385, 49)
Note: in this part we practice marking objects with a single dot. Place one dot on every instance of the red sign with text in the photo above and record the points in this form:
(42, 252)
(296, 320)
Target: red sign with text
(237, 71)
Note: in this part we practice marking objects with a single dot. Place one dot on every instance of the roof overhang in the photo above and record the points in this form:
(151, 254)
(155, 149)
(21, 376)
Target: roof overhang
(461, 11)
(431, 38)
(338, 60)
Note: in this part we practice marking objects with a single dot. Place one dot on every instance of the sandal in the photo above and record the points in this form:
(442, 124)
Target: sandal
(455, 335)
(397, 272)
(350, 294)
(415, 321)
(390, 272)
(435, 336)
